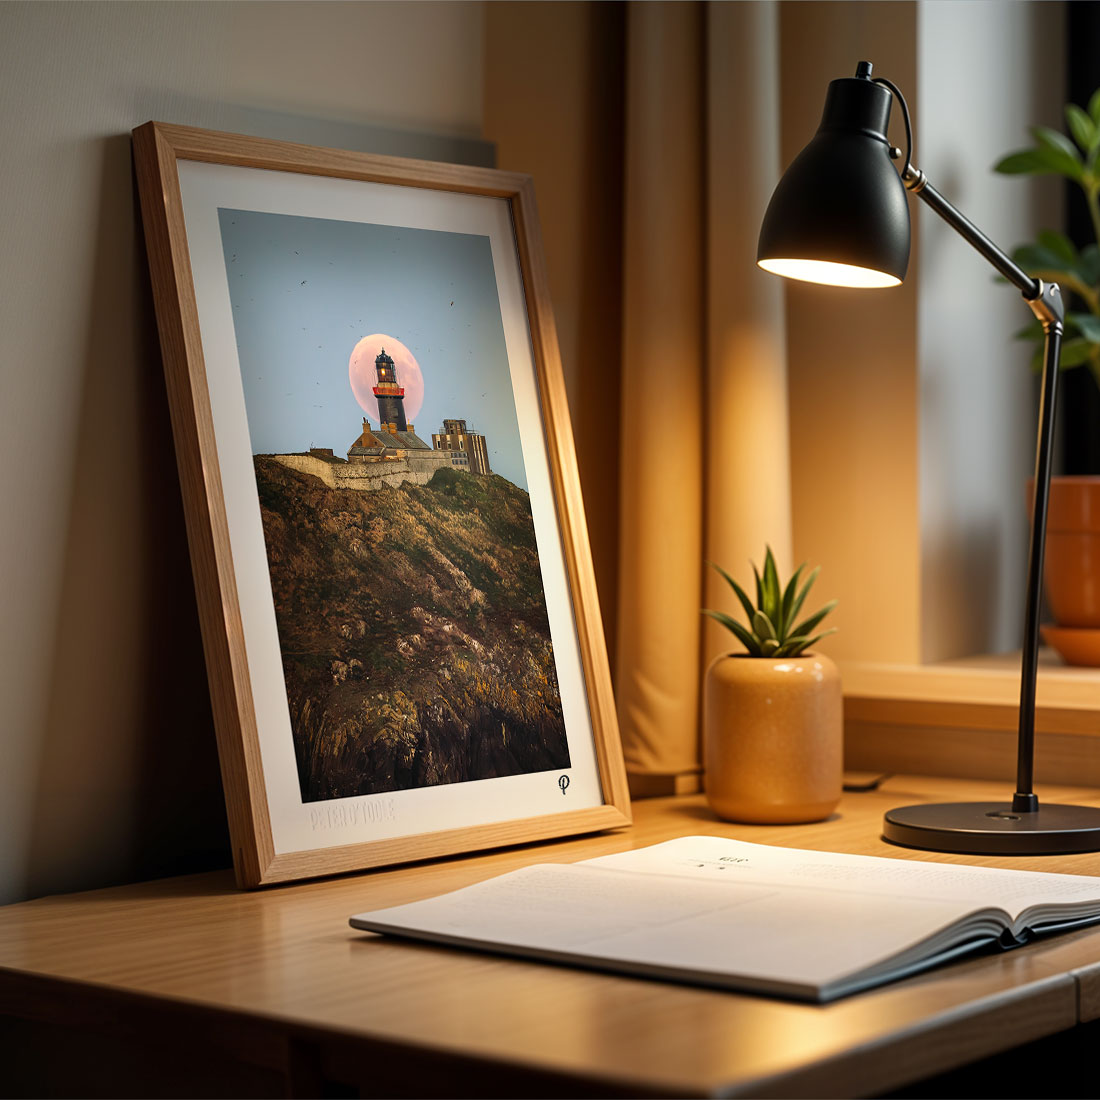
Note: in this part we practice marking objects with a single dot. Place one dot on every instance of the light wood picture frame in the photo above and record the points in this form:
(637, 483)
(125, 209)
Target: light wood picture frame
(404, 646)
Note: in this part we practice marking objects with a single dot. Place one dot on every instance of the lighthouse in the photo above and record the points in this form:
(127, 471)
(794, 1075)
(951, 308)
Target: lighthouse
(391, 396)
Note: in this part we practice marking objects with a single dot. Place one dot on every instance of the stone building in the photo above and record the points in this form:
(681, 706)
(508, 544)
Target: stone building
(468, 448)
(385, 443)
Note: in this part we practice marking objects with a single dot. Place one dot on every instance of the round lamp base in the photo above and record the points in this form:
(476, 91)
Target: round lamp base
(993, 828)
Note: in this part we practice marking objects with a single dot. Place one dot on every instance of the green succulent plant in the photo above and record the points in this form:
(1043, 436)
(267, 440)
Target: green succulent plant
(1054, 257)
(775, 629)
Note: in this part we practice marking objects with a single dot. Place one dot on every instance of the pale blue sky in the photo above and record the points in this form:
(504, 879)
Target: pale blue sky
(304, 291)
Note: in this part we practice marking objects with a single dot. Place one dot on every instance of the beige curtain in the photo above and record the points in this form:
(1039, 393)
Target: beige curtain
(652, 133)
(704, 457)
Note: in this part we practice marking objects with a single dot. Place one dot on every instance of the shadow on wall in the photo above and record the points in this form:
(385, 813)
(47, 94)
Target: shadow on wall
(130, 704)
(966, 561)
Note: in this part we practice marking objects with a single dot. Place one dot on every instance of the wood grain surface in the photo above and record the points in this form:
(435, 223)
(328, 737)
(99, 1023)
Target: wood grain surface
(960, 718)
(264, 972)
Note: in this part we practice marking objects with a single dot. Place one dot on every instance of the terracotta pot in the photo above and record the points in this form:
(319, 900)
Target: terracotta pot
(773, 738)
(1071, 567)
(1071, 570)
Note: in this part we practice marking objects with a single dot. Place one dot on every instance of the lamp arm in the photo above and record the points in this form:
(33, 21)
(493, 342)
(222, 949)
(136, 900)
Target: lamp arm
(917, 182)
(1046, 303)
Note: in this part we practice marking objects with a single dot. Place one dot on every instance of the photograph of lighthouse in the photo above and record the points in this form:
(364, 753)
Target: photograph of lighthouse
(399, 615)
(408, 593)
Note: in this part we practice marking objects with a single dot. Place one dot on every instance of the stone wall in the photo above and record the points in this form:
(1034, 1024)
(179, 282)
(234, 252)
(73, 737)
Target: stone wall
(307, 464)
(418, 468)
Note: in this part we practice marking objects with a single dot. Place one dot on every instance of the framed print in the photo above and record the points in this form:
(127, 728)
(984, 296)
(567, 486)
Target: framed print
(394, 582)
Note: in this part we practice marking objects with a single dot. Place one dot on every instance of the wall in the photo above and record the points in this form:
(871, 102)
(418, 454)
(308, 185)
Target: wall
(912, 411)
(986, 71)
(554, 90)
(852, 367)
(748, 475)
(109, 765)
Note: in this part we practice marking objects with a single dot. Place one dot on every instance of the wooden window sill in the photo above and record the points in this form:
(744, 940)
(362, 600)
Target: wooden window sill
(960, 718)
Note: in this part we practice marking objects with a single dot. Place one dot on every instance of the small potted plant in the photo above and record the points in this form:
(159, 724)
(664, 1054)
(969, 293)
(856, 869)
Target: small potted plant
(773, 715)
(1072, 568)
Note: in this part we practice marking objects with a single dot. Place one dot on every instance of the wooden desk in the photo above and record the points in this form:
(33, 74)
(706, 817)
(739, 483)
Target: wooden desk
(271, 992)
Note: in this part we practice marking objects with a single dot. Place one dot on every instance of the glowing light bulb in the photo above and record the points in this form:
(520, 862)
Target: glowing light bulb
(831, 274)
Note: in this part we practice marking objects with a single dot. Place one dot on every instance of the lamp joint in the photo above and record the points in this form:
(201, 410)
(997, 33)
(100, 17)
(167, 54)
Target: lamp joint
(914, 179)
(1048, 306)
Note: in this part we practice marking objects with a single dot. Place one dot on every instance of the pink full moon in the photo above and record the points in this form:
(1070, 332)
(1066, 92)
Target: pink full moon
(363, 376)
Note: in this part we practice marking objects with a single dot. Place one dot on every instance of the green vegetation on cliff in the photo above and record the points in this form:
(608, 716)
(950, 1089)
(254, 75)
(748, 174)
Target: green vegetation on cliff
(413, 626)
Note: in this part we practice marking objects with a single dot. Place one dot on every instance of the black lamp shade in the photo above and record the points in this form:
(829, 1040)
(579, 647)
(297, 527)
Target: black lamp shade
(839, 214)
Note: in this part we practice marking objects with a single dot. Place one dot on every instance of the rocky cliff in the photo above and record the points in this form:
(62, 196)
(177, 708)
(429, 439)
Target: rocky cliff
(414, 634)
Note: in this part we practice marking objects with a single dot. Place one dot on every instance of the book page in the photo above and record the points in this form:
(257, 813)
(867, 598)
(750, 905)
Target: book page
(717, 858)
(733, 931)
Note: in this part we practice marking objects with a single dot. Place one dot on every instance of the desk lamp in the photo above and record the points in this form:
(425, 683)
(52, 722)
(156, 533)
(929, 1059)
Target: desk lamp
(839, 216)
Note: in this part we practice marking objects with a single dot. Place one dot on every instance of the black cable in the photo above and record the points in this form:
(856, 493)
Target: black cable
(870, 785)
(905, 116)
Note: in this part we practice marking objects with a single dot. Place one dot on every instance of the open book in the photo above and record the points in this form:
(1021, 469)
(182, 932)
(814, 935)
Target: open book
(809, 925)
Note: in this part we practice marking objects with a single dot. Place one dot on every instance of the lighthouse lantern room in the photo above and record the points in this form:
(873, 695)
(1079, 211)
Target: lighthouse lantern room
(390, 396)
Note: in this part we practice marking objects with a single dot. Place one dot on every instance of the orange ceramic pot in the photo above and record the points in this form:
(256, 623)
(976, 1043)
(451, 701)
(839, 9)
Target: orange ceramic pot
(1071, 570)
(773, 738)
